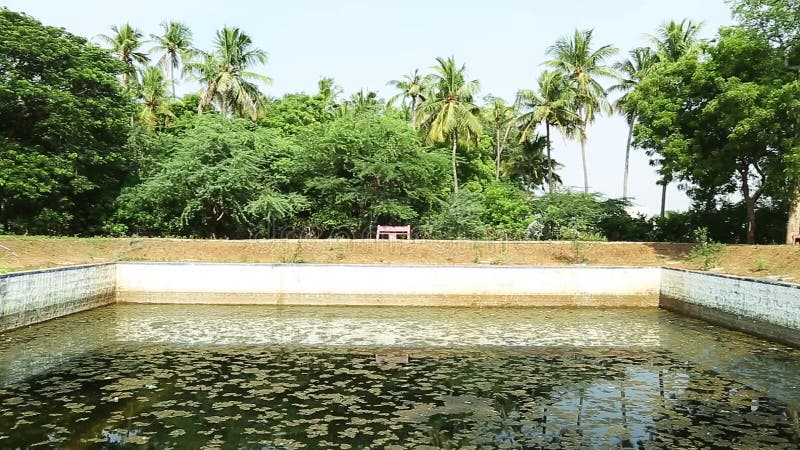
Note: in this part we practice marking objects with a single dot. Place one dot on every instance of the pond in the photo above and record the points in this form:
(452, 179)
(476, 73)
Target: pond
(191, 376)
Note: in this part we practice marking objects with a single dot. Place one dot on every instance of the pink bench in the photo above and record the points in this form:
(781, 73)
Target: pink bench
(392, 232)
(795, 239)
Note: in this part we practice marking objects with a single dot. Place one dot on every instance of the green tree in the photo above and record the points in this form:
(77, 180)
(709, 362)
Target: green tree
(552, 104)
(778, 21)
(226, 76)
(585, 67)
(449, 113)
(218, 178)
(156, 109)
(528, 164)
(175, 46)
(292, 113)
(568, 215)
(632, 70)
(63, 125)
(715, 121)
(673, 41)
(412, 87)
(364, 169)
(362, 102)
(500, 118)
(126, 42)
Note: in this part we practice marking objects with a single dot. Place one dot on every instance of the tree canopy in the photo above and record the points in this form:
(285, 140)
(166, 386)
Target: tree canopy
(63, 127)
(97, 140)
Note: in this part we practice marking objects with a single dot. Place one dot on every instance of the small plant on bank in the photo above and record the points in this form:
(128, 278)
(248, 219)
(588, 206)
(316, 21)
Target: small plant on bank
(705, 250)
(497, 260)
(293, 256)
(763, 264)
(580, 243)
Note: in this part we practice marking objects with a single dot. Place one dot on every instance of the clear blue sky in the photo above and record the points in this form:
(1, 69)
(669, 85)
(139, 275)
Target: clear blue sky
(365, 43)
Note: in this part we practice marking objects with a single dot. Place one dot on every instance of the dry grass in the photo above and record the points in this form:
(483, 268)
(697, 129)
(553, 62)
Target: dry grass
(29, 252)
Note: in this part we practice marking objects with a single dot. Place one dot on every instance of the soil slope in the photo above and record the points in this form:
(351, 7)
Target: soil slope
(31, 252)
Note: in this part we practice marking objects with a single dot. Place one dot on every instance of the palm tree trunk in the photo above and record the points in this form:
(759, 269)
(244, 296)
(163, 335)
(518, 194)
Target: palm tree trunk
(455, 171)
(549, 159)
(497, 156)
(585, 169)
(172, 78)
(414, 112)
(627, 160)
(664, 184)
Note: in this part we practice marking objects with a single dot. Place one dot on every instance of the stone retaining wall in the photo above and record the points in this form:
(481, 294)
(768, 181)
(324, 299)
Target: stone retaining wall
(31, 297)
(760, 307)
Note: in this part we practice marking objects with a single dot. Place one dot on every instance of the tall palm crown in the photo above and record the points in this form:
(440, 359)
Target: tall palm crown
(175, 46)
(125, 42)
(413, 87)
(449, 112)
(676, 39)
(552, 103)
(154, 104)
(632, 70)
(225, 75)
(585, 67)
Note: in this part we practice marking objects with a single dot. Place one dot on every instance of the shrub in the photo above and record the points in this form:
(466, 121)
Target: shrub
(705, 251)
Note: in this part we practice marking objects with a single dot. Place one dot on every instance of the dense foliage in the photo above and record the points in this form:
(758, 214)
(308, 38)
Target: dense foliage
(64, 121)
(96, 141)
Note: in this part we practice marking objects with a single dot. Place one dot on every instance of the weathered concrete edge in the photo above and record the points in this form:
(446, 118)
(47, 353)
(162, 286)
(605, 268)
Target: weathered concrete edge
(734, 277)
(764, 308)
(743, 322)
(737, 322)
(402, 300)
(53, 269)
(35, 296)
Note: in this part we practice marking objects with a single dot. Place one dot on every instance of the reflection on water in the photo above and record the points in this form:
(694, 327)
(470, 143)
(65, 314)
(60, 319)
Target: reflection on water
(269, 377)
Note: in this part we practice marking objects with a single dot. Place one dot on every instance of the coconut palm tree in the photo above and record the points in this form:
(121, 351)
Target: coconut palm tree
(413, 87)
(175, 46)
(501, 118)
(225, 75)
(155, 106)
(125, 43)
(552, 104)
(672, 41)
(449, 112)
(585, 67)
(632, 70)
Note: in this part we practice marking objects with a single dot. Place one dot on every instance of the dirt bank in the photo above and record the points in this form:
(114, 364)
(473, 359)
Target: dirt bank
(30, 252)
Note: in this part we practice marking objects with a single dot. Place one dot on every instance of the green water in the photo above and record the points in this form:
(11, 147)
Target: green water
(158, 376)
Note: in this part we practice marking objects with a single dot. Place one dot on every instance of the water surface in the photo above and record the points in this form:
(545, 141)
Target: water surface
(190, 376)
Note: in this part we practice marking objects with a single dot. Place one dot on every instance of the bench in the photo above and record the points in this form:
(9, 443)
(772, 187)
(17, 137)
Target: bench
(392, 232)
(795, 239)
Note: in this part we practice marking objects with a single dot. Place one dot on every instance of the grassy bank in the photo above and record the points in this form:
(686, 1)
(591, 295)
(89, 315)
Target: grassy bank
(31, 252)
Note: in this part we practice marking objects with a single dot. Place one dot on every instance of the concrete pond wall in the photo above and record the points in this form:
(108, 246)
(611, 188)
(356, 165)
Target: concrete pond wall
(310, 284)
(755, 306)
(31, 297)
(765, 308)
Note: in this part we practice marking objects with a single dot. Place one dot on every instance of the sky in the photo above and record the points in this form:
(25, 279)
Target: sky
(366, 43)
